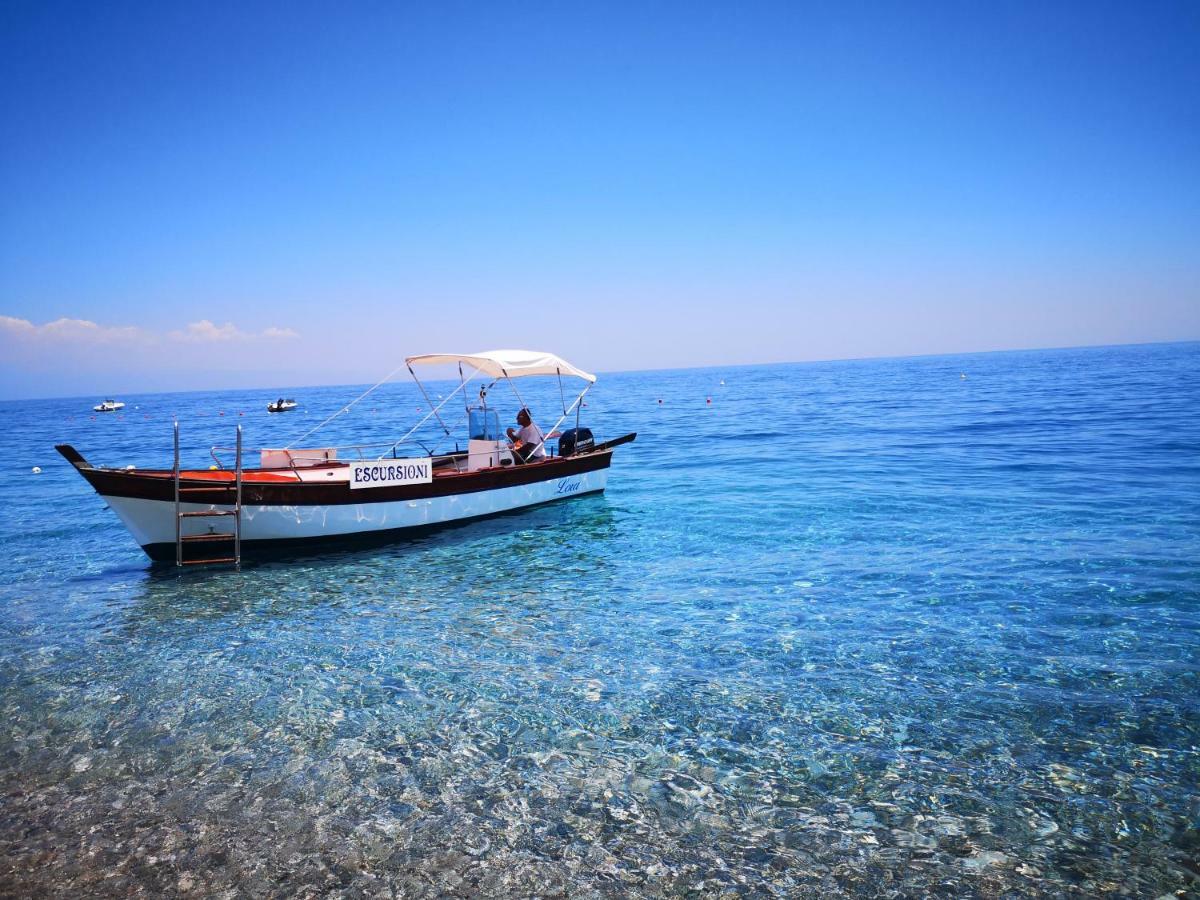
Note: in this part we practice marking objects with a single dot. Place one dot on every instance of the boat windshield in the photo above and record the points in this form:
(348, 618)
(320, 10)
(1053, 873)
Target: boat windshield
(484, 424)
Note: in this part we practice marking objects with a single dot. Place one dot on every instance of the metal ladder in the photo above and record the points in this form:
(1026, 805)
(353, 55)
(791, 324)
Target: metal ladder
(200, 539)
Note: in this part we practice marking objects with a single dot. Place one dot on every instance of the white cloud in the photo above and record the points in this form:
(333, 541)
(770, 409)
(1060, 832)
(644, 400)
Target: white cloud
(73, 330)
(205, 331)
(19, 327)
(83, 331)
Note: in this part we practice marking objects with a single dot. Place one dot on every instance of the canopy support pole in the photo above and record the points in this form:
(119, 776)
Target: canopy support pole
(345, 408)
(520, 399)
(463, 382)
(566, 413)
(427, 416)
(430, 402)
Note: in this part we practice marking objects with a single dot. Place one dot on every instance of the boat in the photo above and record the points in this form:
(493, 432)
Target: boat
(282, 405)
(304, 497)
(109, 406)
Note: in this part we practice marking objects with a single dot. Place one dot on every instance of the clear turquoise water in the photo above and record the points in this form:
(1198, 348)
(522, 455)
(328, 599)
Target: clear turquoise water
(858, 628)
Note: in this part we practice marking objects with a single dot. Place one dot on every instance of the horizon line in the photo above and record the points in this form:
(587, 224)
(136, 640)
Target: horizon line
(734, 365)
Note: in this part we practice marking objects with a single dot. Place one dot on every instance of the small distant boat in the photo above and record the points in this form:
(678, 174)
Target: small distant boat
(282, 405)
(109, 406)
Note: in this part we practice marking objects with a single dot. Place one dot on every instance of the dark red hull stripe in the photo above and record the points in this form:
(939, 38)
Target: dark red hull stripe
(160, 486)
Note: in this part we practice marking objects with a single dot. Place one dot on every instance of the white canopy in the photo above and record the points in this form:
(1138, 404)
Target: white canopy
(506, 363)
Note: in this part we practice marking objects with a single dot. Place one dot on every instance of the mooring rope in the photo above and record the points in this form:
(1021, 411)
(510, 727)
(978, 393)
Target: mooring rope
(345, 408)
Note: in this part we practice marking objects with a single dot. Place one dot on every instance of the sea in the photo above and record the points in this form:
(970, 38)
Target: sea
(924, 627)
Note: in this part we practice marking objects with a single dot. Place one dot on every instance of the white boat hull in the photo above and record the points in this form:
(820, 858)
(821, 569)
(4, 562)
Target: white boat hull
(153, 521)
(279, 511)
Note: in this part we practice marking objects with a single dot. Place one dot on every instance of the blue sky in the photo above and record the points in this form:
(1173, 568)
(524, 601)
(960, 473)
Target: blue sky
(227, 195)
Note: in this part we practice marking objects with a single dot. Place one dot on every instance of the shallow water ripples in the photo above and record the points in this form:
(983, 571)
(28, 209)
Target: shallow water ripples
(863, 674)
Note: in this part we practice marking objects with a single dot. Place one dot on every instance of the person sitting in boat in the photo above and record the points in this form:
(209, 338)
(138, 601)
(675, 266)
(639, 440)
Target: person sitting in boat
(528, 443)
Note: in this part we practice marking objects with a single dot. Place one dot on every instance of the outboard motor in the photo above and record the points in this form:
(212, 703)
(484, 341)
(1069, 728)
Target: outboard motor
(575, 440)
